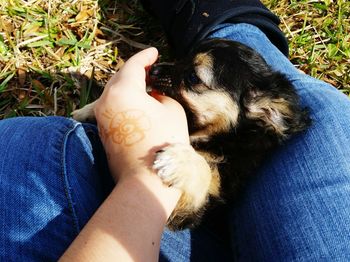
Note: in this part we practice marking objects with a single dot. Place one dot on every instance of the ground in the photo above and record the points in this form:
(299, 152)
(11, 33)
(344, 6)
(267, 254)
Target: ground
(56, 55)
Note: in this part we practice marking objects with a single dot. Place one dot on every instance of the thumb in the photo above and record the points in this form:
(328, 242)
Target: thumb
(138, 63)
(145, 57)
(133, 72)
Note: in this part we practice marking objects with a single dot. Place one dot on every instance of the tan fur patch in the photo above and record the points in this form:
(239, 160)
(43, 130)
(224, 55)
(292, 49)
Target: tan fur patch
(213, 161)
(204, 68)
(216, 111)
(203, 59)
(192, 200)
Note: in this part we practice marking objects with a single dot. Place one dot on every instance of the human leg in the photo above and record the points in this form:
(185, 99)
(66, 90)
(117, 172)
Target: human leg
(52, 179)
(53, 176)
(298, 207)
(186, 22)
(200, 244)
(301, 186)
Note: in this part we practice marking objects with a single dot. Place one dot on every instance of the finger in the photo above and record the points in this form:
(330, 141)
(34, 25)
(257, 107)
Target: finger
(145, 57)
(139, 62)
(134, 69)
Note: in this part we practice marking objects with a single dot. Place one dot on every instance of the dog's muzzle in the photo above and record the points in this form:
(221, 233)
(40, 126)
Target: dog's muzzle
(160, 77)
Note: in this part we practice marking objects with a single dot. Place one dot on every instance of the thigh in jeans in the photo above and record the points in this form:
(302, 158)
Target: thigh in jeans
(298, 207)
(50, 184)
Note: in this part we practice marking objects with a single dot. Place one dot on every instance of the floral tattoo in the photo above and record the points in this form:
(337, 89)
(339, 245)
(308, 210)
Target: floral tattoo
(125, 128)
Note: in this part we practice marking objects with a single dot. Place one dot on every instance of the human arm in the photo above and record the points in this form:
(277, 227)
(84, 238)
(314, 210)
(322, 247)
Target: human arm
(129, 224)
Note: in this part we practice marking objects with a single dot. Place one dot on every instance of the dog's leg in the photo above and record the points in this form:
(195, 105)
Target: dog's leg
(85, 114)
(180, 166)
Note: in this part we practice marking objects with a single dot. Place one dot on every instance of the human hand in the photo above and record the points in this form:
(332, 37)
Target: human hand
(132, 124)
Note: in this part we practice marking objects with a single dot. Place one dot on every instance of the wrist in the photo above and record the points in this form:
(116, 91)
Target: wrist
(130, 164)
(147, 188)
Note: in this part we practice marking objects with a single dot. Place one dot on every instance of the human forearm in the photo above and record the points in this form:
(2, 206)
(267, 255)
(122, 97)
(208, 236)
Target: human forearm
(133, 126)
(128, 225)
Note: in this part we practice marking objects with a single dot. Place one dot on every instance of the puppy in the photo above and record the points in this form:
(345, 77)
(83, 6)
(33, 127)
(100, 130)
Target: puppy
(238, 110)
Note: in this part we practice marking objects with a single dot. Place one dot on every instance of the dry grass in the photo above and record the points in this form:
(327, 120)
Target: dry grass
(55, 55)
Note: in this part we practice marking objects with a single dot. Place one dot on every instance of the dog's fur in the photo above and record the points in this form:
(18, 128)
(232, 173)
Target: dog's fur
(238, 111)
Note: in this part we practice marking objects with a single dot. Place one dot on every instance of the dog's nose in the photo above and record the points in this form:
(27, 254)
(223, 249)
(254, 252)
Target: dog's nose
(156, 70)
(161, 70)
(153, 74)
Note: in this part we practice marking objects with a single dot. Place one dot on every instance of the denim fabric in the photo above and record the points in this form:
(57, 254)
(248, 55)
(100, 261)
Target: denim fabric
(53, 176)
(298, 209)
(49, 185)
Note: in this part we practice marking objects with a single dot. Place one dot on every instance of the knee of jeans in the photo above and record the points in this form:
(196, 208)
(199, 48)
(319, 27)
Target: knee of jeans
(86, 174)
(32, 182)
(79, 138)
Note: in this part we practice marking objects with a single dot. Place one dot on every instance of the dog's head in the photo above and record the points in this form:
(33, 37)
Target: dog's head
(226, 86)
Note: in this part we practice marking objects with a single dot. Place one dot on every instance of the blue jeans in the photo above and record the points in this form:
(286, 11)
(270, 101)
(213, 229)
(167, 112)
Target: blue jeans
(53, 176)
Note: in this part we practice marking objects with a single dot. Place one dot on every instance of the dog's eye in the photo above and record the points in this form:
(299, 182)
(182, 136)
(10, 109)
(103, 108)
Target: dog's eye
(192, 79)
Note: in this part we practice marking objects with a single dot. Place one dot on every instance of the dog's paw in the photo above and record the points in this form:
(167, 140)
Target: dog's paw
(166, 168)
(171, 164)
(180, 166)
(85, 114)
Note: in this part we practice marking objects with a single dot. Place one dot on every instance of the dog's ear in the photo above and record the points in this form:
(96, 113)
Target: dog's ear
(271, 113)
(275, 107)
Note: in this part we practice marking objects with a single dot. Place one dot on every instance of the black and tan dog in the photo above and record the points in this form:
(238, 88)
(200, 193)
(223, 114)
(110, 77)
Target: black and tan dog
(238, 110)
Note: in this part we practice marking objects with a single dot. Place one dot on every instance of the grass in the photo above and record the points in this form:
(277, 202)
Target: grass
(319, 36)
(56, 55)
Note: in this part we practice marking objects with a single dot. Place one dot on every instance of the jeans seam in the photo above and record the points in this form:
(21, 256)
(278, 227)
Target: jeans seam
(66, 184)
